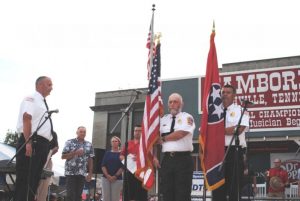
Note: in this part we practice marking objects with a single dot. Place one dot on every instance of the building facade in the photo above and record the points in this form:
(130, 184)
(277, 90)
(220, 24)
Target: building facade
(273, 85)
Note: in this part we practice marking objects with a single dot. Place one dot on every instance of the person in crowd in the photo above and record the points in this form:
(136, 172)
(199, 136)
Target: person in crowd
(134, 190)
(37, 136)
(277, 178)
(79, 155)
(233, 176)
(112, 169)
(43, 187)
(176, 130)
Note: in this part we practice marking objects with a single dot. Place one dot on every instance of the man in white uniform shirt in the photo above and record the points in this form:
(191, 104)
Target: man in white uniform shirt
(32, 157)
(176, 131)
(232, 114)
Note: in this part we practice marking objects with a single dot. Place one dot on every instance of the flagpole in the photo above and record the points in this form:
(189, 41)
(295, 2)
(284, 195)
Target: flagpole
(157, 179)
(151, 39)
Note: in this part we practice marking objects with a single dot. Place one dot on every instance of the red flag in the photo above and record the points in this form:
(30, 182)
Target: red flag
(212, 131)
(150, 125)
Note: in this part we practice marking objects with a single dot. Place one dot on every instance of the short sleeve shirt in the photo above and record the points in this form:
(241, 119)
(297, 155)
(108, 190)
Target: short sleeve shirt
(183, 122)
(111, 161)
(133, 148)
(34, 105)
(233, 115)
(78, 164)
(282, 174)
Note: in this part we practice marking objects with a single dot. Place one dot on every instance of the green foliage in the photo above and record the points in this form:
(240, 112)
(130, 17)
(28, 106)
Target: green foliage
(11, 138)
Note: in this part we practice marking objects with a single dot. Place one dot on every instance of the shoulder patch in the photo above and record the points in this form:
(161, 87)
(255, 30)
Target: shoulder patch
(29, 98)
(190, 121)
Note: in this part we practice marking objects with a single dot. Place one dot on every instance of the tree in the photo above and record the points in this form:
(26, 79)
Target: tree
(11, 138)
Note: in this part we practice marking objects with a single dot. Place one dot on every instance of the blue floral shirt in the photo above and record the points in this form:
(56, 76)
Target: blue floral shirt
(78, 164)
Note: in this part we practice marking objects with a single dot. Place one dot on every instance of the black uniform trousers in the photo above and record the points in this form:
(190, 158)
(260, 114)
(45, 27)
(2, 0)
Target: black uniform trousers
(176, 176)
(233, 171)
(24, 169)
(135, 190)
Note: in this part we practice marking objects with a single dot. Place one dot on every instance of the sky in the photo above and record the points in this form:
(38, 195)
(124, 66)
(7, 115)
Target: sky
(94, 46)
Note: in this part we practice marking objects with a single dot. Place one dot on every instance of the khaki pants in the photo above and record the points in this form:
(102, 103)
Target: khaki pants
(42, 191)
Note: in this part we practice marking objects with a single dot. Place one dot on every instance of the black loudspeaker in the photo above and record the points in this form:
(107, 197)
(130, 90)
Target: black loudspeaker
(99, 153)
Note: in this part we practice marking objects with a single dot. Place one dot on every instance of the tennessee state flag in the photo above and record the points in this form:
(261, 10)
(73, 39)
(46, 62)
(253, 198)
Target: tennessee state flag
(212, 130)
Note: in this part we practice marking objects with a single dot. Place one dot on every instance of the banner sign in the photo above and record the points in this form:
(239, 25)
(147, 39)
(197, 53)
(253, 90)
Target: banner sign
(198, 187)
(274, 92)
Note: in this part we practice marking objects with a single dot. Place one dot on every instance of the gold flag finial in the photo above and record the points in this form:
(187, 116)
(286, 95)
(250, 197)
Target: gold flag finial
(213, 29)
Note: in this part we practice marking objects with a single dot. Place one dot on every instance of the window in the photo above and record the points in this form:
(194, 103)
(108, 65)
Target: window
(113, 118)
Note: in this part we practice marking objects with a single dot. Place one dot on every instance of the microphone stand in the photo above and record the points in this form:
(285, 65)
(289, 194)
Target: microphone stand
(204, 191)
(236, 171)
(125, 113)
(34, 140)
(297, 151)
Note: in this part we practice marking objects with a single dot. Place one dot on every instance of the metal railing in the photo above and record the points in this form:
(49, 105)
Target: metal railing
(154, 197)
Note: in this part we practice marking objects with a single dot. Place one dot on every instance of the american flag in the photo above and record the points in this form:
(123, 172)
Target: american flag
(150, 45)
(212, 138)
(150, 125)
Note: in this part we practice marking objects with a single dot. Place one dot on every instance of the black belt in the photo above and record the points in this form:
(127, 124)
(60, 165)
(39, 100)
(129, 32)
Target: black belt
(41, 138)
(177, 153)
(243, 149)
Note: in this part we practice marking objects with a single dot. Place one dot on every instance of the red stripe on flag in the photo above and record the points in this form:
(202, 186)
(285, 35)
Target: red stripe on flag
(150, 125)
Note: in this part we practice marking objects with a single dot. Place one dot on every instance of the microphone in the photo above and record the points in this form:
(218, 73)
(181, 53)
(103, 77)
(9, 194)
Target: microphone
(52, 111)
(247, 101)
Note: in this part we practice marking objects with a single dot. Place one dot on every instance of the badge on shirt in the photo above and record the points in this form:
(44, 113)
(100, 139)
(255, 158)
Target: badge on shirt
(190, 121)
(232, 114)
(179, 121)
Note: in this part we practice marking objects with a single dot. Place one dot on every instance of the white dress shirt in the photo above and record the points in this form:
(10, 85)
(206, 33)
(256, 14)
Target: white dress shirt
(233, 115)
(34, 105)
(183, 122)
